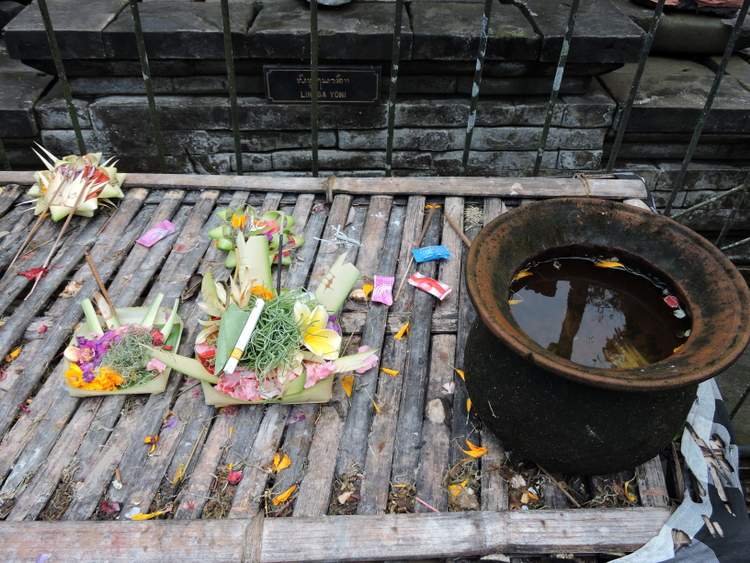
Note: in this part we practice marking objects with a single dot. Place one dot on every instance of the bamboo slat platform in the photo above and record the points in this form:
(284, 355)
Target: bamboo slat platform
(370, 470)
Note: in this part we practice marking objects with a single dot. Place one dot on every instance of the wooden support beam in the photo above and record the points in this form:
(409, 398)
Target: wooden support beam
(344, 538)
(602, 186)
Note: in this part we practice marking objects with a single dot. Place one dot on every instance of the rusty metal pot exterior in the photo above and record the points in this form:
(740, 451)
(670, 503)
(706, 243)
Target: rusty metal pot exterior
(577, 419)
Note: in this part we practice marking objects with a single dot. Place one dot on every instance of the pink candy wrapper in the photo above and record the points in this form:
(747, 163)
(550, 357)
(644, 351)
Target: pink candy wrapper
(156, 233)
(429, 285)
(382, 291)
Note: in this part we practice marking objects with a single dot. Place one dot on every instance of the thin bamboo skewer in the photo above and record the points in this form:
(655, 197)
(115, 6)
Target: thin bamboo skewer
(459, 232)
(100, 283)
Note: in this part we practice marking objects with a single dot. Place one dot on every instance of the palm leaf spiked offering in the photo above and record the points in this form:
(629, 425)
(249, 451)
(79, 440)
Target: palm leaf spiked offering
(261, 345)
(73, 185)
(118, 359)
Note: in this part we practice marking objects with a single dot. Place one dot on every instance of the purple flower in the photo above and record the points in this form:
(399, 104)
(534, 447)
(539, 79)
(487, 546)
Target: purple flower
(333, 324)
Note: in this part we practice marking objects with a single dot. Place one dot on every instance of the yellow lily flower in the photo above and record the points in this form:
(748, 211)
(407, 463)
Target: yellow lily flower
(320, 340)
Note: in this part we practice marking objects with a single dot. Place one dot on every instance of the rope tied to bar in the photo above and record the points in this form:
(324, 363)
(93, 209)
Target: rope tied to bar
(585, 181)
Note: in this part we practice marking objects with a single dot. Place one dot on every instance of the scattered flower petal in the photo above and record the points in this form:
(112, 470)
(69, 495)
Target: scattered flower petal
(234, 477)
(389, 371)
(608, 264)
(449, 388)
(460, 373)
(522, 274)
(138, 516)
(514, 301)
(34, 273)
(474, 451)
(403, 331)
(632, 497)
(156, 365)
(347, 383)
(283, 497)
(367, 289)
(468, 405)
(109, 507)
(13, 354)
(281, 462)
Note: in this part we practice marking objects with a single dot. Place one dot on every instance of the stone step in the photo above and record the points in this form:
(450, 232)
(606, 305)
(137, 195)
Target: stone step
(20, 88)
(279, 29)
(673, 93)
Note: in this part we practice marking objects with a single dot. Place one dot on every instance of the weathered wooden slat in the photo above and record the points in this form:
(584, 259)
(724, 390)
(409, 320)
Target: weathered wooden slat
(315, 491)
(15, 224)
(494, 487)
(408, 438)
(652, 485)
(607, 187)
(313, 497)
(462, 427)
(343, 538)
(377, 256)
(450, 270)
(380, 443)
(436, 434)
(8, 196)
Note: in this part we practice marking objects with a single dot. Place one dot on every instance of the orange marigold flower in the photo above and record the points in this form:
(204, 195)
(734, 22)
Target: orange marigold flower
(239, 220)
(262, 292)
(74, 376)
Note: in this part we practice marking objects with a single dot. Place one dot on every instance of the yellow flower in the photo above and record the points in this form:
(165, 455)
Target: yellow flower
(239, 220)
(320, 340)
(110, 379)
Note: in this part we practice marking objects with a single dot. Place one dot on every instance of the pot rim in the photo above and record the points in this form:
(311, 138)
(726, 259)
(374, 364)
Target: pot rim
(630, 379)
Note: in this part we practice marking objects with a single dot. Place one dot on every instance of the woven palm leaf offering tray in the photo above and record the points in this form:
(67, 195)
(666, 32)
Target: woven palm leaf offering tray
(117, 359)
(261, 344)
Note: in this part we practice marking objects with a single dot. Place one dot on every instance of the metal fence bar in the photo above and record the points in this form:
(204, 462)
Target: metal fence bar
(730, 219)
(146, 71)
(54, 49)
(709, 201)
(643, 58)
(679, 183)
(393, 89)
(559, 74)
(484, 31)
(232, 83)
(314, 84)
(4, 160)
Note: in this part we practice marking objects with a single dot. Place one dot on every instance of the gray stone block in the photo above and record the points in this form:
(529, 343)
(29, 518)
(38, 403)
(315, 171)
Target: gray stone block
(62, 142)
(602, 33)
(189, 30)
(491, 162)
(417, 84)
(580, 160)
(525, 85)
(52, 111)
(596, 108)
(78, 28)
(672, 95)
(404, 139)
(265, 141)
(252, 162)
(329, 159)
(452, 112)
(356, 31)
(19, 91)
(523, 138)
(450, 30)
(119, 85)
(212, 113)
(677, 151)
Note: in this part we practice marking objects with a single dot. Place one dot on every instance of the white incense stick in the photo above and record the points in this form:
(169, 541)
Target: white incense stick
(247, 332)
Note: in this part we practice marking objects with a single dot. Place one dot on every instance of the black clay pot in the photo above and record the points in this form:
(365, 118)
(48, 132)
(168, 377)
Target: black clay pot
(576, 419)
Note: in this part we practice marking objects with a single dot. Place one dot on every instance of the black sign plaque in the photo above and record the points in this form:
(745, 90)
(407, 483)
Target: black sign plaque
(337, 84)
